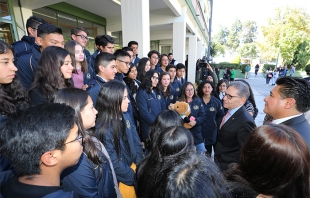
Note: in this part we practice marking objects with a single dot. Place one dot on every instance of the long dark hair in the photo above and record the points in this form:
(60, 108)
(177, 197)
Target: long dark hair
(147, 82)
(183, 96)
(78, 99)
(200, 88)
(70, 47)
(171, 143)
(274, 160)
(110, 115)
(141, 68)
(164, 120)
(160, 86)
(12, 96)
(49, 79)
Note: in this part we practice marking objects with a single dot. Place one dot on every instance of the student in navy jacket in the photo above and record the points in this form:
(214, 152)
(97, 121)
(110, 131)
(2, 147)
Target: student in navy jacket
(93, 175)
(188, 94)
(168, 92)
(54, 73)
(105, 65)
(13, 97)
(214, 114)
(150, 102)
(177, 86)
(180, 71)
(116, 131)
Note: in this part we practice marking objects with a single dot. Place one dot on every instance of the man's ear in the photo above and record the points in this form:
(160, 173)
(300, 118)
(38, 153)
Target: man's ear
(73, 36)
(100, 68)
(289, 103)
(30, 32)
(49, 159)
(39, 41)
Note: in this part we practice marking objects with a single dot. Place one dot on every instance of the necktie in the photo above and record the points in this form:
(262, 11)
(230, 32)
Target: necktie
(224, 119)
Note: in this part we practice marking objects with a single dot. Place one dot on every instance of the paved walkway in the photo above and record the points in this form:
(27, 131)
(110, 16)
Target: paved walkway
(260, 91)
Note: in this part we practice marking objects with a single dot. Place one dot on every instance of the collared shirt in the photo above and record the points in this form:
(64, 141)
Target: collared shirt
(232, 111)
(221, 95)
(278, 121)
(104, 80)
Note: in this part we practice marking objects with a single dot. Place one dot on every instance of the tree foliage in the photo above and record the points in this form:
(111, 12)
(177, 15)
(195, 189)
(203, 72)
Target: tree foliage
(233, 39)
(248, 50)
(249, 32)
(285, 33)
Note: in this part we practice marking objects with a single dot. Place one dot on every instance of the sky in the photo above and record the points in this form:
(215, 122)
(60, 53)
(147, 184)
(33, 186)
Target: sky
(225, 12)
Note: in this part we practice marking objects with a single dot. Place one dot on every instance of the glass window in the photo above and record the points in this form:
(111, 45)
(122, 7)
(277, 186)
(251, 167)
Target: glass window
(4, 10)
(154, 45)
(165, 49)
(46, 14)
(118, 40)
(66, 23)
(5, 32)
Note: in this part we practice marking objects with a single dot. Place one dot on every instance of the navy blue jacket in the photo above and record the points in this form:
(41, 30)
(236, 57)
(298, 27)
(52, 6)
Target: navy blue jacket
(214, 114)
(27, 66)
(300, 125)
(85, 181)
(14, 188)
(91, 73)
(177, 86)
(182, 81)
(136, 60)
(150, 105)
(123, 162)
(91, 60)
(172, 98)
(23, 46)
(94, 88)
(197, 111)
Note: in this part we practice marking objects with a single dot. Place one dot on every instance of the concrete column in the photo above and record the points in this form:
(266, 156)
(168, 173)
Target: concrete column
(199, 49)
(179, 37)
(136, 24)
(192, 57)
(26, 13)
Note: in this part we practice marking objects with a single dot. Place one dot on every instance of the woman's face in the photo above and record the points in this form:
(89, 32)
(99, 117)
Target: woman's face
(133, 73)
(189, 91)
(147, 66)
(207, 89)
(79, 53)
(66, 68)
(223, 87)
(88, 114)
(165, 81)
(154, 79)
(7, 68)
(125, 101)
(164, 61)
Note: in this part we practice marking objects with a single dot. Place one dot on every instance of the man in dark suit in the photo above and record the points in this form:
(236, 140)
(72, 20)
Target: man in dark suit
(134, 46)
(287, 103)
(235, 127)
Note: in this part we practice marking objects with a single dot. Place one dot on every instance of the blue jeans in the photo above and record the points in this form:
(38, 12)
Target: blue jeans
(201, 148)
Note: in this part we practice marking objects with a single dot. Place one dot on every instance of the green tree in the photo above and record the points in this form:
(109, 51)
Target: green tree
(285, 32)
(249, 32)
(217, 49)
(233, 40)
(302, 55)
(222, 35)
(248, 50)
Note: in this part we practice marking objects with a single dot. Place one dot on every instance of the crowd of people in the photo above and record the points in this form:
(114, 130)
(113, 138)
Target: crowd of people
(80, 125)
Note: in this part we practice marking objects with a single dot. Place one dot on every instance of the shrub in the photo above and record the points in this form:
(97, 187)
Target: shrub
(307, 69)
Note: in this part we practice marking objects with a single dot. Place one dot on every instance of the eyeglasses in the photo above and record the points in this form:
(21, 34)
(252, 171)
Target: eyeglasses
(155, 77)
(189, 90)
(127, 63)
(229, 97)
(79, 138)
(154, 57)
(83, 37)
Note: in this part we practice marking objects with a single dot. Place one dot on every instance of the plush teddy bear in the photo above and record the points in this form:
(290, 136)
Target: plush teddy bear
(184, 110)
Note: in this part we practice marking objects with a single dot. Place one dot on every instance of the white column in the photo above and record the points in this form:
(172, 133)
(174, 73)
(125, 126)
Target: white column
(192, 58)
(136, 24)
(199, 49)
(26, 14)
(179, 37)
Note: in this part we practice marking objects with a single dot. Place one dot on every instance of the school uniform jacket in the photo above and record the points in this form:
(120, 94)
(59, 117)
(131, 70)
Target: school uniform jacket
(197, 111)
(150, 105)
(126, 157)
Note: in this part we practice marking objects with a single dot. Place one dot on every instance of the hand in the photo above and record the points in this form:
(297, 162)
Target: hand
(192, 123)
(85, 87)
(209, 67)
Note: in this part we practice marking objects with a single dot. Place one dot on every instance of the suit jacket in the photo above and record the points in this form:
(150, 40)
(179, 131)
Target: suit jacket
(232, 136)
(300, 125)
